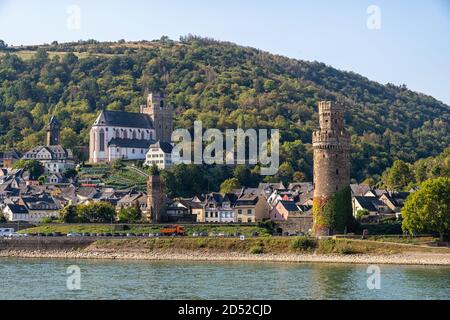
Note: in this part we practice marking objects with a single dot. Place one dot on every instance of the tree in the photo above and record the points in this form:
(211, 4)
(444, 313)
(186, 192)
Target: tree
(3, 45)
(118, 164)
(33, 166)
(229, 185)
(69, 138)
(2, 218)
(428, 210)
(130, 215)
(361, 213)
(398, 176)
(100, 212)
(69, 214)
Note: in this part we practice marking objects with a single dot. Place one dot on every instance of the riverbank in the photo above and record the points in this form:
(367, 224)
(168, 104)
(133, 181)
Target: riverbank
(295, 250)
(410, 258)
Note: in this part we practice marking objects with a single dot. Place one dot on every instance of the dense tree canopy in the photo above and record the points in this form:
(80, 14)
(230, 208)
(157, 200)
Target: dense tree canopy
(222, 84)
(428, 210)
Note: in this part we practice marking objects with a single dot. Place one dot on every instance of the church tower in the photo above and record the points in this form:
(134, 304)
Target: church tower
(161, 114)
(331, 145)
(53, 132)
(156, 199)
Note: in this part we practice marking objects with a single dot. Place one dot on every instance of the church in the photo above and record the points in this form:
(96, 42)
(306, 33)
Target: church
(128, 136)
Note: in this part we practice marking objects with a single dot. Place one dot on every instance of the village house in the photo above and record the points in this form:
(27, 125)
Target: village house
(15, 212)
(395, 201)
(159, 154)
(218, 208)
(180, 211)
(251, 208)
(8, 158)
(283, 209)
(132, 199)
(39, 207)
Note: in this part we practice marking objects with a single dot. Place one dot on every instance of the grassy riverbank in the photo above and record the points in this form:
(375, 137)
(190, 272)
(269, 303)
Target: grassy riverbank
(114, 228)
(263, 245)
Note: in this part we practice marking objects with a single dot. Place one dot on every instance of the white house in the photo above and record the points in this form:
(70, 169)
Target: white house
(16, 212)
(160, 154)
(54, 159)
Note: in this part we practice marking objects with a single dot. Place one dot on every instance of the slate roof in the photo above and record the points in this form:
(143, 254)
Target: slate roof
(164, 146)
(290, 206)
(369, 203)
(124, 119)
(130, 143)
(17, 209)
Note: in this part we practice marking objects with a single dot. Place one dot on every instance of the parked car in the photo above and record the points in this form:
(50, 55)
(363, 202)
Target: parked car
(73, 234)
(203, 234)
(195, 234)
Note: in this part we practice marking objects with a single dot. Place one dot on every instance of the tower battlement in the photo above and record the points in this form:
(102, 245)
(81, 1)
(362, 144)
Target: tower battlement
(330, 106)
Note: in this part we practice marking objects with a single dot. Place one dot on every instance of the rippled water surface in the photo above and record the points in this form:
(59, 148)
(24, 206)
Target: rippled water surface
(47, 279)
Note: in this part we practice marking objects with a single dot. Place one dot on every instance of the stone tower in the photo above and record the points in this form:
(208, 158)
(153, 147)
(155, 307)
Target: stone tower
(162, 116)
(53, 132)
(156, 199)
(331, 145)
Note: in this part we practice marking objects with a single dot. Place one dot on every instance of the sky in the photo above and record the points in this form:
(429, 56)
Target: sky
(401, 42)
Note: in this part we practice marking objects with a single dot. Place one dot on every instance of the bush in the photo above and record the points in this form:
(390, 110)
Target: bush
(257, 249)
(303, 243)
(46, 220)
(2, 218)
(327, 245)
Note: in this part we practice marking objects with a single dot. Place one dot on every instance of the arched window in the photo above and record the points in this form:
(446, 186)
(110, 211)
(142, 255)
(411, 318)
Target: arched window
(117, 134)
(125, 134)
(142, 135)
(134, 134)
(102, 140)
(161, 104)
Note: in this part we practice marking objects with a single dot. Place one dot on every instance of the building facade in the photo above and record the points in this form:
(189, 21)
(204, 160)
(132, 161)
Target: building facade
(331, 145)
(159, 154)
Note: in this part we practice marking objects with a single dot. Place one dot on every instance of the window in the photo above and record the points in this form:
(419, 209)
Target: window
(249, 211)
(102, 140)
(337, 172)
(239, 211)
(134, 135)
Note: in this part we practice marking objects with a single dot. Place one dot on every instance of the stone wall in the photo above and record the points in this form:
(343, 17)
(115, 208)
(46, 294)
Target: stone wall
(45, 243)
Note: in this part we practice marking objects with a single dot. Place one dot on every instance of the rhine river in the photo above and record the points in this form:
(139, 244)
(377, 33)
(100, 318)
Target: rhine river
(47, 279)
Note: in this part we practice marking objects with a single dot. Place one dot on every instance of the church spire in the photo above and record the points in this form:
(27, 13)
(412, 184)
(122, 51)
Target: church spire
(53, 132)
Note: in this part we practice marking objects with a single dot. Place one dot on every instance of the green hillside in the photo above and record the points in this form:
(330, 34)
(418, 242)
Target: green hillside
(222, 84)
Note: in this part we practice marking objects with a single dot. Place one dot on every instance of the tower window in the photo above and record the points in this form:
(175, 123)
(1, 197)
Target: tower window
(337, 171)
(161, 104)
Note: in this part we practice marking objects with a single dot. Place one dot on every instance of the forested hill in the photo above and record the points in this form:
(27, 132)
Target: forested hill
(222, 84)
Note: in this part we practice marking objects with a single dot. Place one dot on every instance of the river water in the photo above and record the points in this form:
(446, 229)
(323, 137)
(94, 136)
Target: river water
(48, 279)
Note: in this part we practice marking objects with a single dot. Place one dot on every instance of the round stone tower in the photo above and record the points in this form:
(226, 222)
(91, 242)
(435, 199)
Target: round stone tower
(331, 145)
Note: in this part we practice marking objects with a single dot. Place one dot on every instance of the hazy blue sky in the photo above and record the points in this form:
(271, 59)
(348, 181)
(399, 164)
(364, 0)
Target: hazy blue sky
(412, 47)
